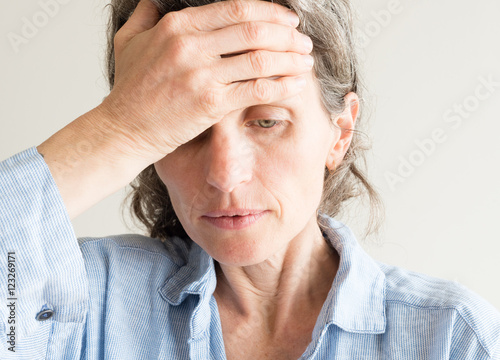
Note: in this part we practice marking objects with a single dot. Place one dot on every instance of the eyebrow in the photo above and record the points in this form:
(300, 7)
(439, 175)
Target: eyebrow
(288, 106)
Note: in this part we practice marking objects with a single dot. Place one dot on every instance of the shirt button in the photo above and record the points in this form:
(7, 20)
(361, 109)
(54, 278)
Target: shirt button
(44, 315)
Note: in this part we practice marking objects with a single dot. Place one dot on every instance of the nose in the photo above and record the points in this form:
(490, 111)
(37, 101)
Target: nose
(229, 158)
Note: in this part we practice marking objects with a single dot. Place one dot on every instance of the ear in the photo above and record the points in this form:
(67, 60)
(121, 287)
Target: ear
(342, 138)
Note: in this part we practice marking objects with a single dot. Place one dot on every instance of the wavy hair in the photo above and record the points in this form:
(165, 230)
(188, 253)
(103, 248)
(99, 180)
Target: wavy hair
(330, 25)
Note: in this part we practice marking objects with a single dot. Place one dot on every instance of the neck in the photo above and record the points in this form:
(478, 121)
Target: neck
(291, 284)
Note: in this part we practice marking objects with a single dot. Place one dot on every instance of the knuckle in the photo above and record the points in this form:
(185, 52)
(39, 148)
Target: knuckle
(179, 47)
(238, 10)
(118, 40)
(201, 76)
(253, 32)
(210, 101)
(275, 13)
(286, 87)
(294, 36)
(118, 36)
(262, 91)
(189, 80)
(172, 22)
(196, 79)
(297, 61)
(260, 62)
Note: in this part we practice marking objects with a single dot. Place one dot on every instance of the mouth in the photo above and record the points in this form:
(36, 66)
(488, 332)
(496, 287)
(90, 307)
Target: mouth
(233, 219)
(232, 212)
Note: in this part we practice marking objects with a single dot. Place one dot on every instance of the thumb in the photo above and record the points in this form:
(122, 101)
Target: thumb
(144, 17)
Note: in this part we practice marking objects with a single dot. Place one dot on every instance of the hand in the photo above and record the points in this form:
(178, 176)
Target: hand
(174, 77)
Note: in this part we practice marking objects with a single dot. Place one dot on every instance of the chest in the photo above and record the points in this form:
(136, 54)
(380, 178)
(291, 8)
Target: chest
(246, 341)
(242, 350)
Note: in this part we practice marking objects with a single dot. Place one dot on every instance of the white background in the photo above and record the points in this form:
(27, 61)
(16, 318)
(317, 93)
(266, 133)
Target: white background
(419, 64)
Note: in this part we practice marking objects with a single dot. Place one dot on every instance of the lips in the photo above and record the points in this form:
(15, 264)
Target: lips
(232, 212)
(233, 219)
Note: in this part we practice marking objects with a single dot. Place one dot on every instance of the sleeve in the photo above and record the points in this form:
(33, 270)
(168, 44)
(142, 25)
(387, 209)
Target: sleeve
(44, 286)
(496, 351)
(476, 330)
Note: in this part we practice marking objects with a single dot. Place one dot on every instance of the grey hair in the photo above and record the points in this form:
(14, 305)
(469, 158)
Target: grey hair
(330, 25)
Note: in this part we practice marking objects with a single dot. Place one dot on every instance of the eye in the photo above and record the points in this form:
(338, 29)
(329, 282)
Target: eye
(266, 123)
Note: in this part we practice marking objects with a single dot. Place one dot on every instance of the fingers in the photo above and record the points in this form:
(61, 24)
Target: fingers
(225, 13)
(255, 35)
(144, 17)
(264, 91)
(261, 64)
(281, 51)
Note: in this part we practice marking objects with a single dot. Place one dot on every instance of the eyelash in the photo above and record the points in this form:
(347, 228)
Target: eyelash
(275, 123)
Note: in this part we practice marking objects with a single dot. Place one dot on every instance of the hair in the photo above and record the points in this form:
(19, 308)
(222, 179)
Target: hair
(330, 25)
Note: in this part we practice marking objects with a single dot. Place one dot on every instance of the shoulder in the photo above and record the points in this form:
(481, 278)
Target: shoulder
(446, 304)
(173, 252)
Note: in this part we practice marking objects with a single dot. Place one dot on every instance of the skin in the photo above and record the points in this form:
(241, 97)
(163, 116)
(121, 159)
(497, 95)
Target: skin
(162, 99)
(239, 163)
(190, 119)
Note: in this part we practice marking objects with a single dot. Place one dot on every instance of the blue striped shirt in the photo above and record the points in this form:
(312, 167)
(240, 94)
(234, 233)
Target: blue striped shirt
(134, 297)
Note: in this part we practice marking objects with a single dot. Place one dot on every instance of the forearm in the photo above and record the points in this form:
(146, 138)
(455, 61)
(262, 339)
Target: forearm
(88, 161)
(43, 267)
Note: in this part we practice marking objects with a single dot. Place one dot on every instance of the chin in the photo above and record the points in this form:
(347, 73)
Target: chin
(243, 249)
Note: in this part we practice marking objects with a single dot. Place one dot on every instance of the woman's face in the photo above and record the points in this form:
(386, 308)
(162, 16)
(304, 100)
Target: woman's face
(251, 183)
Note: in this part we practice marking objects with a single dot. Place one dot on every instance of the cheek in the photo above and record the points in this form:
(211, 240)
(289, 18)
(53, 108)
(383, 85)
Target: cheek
(182, 173)
(309, 170)
(293, 171)
(167, 169)
(177, 173)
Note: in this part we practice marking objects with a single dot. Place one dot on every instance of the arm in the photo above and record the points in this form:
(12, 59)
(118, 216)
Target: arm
(41, 263)
(85, 161)
(159, 102)
(162, 99)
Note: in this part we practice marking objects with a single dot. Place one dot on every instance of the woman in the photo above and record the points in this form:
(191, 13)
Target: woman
(244, 156)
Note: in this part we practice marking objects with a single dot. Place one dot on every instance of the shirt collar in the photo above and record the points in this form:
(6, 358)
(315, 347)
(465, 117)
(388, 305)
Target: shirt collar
(195, 275)
(355, 302)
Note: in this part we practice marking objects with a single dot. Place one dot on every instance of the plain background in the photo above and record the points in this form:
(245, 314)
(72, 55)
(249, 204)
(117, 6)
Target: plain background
(420, 63)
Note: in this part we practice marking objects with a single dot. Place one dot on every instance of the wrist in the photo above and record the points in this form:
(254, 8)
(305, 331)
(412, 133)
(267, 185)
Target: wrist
(111, 145)
(88, 163)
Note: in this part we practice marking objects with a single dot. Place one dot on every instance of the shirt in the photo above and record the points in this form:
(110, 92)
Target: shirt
(134, 297)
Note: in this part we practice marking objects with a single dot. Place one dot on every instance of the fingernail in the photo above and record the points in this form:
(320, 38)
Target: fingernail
(301, 82)
(308, 60)
(294, 19)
